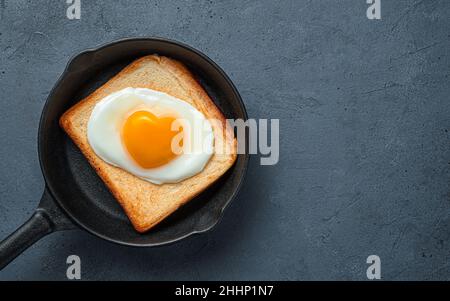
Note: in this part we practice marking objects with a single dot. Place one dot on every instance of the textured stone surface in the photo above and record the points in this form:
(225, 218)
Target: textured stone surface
(364, 115)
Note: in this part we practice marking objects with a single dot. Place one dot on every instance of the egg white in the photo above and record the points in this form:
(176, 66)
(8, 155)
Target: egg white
(108, 116)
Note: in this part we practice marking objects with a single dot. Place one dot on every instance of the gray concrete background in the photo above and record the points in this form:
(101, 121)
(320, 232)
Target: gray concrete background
(364, 112)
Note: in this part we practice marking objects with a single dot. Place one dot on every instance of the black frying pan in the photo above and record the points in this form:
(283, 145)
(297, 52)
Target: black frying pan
(75, 196)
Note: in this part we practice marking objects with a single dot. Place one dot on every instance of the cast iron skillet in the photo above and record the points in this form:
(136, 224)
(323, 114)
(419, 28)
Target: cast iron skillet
(75, 196)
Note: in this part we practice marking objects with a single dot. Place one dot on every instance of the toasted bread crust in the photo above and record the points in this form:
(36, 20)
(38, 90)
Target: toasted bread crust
(147, 204)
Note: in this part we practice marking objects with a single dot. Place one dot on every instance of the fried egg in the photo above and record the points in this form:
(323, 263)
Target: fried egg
(150, 134)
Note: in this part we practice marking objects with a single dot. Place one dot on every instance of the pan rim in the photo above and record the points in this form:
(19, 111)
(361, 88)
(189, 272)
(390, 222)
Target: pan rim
(49, 186)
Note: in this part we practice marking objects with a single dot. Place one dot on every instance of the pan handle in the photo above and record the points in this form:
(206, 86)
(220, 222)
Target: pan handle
(34, 229)
(46, 219)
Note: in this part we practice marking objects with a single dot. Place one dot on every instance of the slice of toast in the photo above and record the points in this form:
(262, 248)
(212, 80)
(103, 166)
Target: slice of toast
(147, 204)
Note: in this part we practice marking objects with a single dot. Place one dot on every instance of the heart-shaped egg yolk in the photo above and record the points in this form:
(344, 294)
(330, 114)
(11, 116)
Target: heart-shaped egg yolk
(148, 139)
